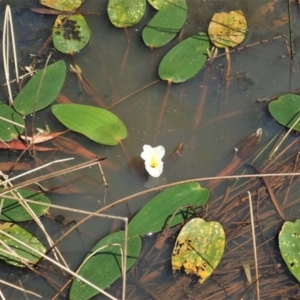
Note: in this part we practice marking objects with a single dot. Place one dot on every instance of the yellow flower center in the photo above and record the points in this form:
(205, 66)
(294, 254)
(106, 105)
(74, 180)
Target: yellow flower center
(153, 162)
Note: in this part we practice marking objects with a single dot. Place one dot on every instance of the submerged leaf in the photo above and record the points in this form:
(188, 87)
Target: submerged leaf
(13, 211)
(125, 13)
(199, 248)
(158, 211)
(96, 123)
(285, 110)
(25, 253)
(9, 131)
(164, 26)
(42, 89)
(227, 29)
(70, 33)
(64, 5)
(185, 60)
(104, 268)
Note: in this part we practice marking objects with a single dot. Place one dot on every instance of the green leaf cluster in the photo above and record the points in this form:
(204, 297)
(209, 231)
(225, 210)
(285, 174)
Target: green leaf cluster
(104, 267)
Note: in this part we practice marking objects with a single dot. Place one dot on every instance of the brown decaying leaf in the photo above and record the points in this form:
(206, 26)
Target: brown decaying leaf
(62, 99)
(42, 137)
(19, 145)
(70, 146)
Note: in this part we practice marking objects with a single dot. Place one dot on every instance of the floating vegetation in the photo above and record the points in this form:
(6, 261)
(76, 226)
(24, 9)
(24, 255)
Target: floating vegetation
(186, 216)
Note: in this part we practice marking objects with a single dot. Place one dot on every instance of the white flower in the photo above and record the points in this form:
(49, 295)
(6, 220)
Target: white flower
(152, 157)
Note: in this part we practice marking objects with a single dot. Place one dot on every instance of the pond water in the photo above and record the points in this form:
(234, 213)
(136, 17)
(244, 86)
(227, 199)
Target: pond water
(198, 113)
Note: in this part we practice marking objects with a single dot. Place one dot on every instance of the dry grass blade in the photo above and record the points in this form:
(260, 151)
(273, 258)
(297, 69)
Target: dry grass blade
(12, 122)
(284, 138)
(1, 295)
(254, 246)
(20, 289)
(7, 30)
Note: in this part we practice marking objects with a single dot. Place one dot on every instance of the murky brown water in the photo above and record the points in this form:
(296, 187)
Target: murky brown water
(209, 126)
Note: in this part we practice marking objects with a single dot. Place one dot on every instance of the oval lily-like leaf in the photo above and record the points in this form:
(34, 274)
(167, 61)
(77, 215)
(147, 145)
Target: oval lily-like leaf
(42, 89)
(24, 236)
(104, 268)
(10, 131)
(185, 60)
(70, 33)
(159, 4)
(96, 123)
(124, 13)
(285, 110)
(165, 24)
(158, 211)
(14, 212)
(227, 29)
(64, 5)
(289, 245)
(199, 248)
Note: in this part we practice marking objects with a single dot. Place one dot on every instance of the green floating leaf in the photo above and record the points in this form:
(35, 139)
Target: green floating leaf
(24, 236)
(14, 212)
(98, 124)
(104, 268)
(9, 131)
(285, 110)
(124, 13)
(185, 60)
(165, 24)
(227, 29)
(159, 4)
(70, 33)
(64, 5)
(199, 248)
(156, 213)
(42, 89)
(289, 245)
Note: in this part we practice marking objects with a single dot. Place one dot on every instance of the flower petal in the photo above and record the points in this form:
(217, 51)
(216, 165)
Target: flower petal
(147, 153)
(155, 172)
(159, 152)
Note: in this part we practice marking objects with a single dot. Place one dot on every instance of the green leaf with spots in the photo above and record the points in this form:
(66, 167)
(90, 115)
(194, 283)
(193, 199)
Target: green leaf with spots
(199, 248)
(96, 123)
(10, 131)
(285, 110)
(164, 26)
(159, 4)
(125, 13)
(289, 245)
(185, 60)
(14, 212)
(25, 253)
(42, 89)
(104, 267)
(157, 212)
(70, 33)
(64, 5)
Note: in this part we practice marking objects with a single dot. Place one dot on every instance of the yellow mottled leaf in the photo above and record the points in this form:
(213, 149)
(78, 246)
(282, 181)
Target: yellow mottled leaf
(199, 248)
(227, 29)
(65, 5)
